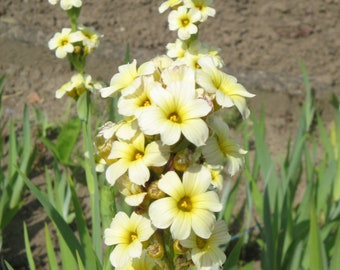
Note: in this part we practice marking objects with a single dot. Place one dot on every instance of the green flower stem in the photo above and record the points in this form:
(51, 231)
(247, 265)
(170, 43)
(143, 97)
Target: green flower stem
(73, 15)
(169, 252)
(92, 180)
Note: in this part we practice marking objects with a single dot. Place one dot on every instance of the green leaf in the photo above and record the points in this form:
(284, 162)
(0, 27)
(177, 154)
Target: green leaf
(67, 140)
(233, 259)
(9, 267)
(315, 245)
(84, 235)
(25, 158)
(80, 263)
(52, 259)
(63, 228)
(83, 106)
(107, 264)
(28, 249)
(107, 204)
(50, 146)
(93, 187)
(335, 261)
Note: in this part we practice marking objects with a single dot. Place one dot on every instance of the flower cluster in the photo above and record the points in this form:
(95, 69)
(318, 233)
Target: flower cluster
(168, 153)
(76, 43)
(80, 42)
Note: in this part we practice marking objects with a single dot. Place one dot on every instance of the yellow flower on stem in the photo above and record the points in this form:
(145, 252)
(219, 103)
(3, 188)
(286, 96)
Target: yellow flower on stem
(228, 92)
(128, 79)
(183, 20)
(135, 157)
(177, 49)
(205, 253)
(134, 194)
(63, 41)
(145, 262)
(169, 4)
(79, 83)
(91, 38)
(134, 104)
(67, 4)
(203, 6)
(128, 234)
(176, 111)
(220, 149)
(189, 205)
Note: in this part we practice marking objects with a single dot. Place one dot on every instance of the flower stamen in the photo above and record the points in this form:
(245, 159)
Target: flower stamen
(185, 21)
(133, 237)
(174, 118)
(184, 204)
(138, 155)
(146, 103)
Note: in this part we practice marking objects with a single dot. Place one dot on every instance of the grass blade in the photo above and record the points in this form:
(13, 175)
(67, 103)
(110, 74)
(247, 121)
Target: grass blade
(315, 245)
(335, 262)
(65, 231)
(232, 260)
(28, 249)
(8, 266)
(52, 259)
(91, 261)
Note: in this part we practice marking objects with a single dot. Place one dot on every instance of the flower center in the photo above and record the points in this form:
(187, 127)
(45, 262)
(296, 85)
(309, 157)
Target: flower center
(146, 103)
(184, 204)
(200, 242)
(133, 237)
(185, 21)
(174, 118)
(138, 155)
(64, 41)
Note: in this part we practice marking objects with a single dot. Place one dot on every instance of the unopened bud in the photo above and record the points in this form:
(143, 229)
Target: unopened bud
(154, 192)
(178, 248)
(156, 250)
(182, 160)
(77, 49)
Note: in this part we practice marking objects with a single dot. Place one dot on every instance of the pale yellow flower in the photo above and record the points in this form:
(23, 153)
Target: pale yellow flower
(128, 79)
(216, 175)
(133, 194)
(79, 83)
(63, 41)
(134, 104)
(128, 234)
(203, 6)
(107, 130)
(125, 129)
(178, 72)
(91, 38)
(145, 262)
(177, 49)
(176, 111)
(135, 158)
(67, 4)
(168, 4)
(189, 205)
(228, 92)
(183, 20)
(220, 149)
(205, 253)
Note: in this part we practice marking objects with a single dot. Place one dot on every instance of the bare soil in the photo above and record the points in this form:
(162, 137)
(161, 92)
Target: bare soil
(261, 44)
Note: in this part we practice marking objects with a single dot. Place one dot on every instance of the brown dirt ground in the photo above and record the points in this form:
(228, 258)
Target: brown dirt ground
(261, 42)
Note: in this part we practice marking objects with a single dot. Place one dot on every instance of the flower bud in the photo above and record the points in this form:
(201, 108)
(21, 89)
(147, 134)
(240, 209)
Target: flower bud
(182, 160)
(154, 192)
(156, 250)
(178, 248)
